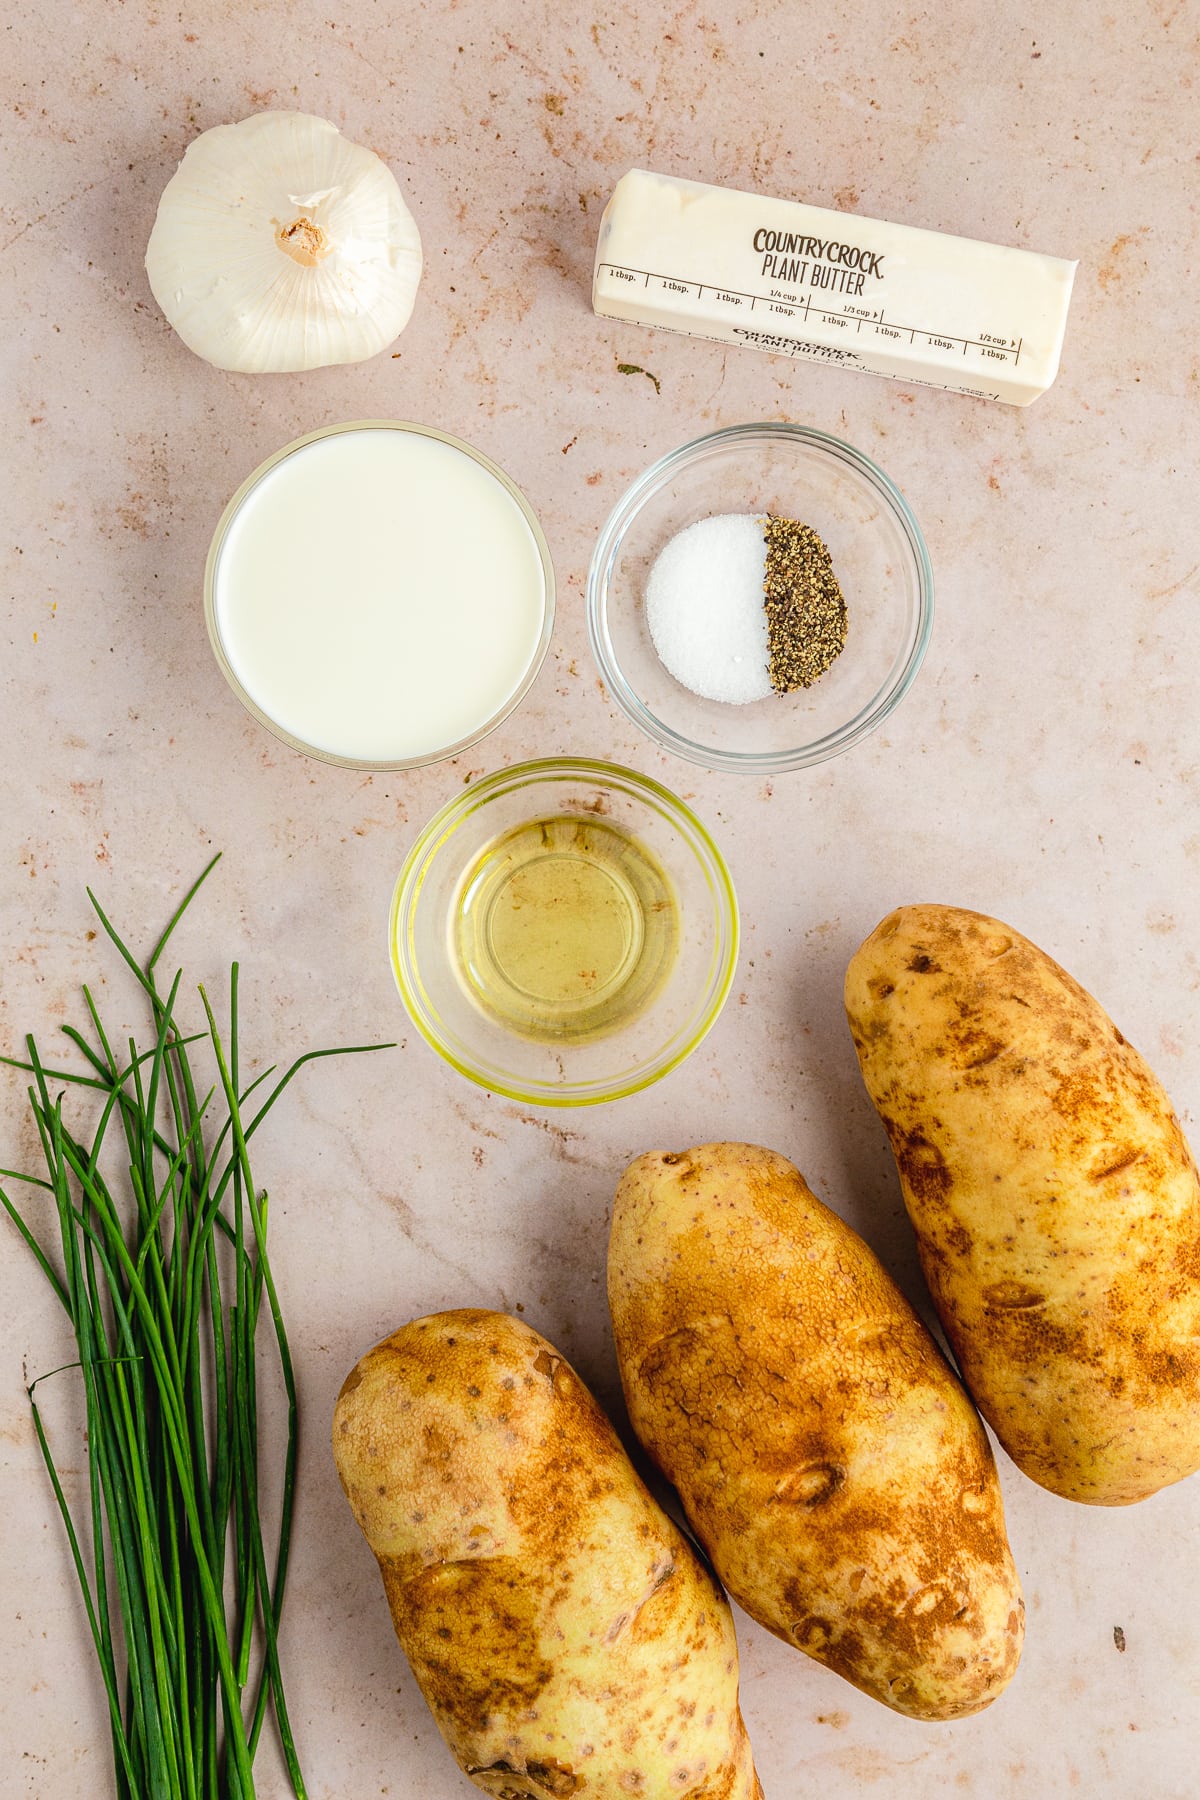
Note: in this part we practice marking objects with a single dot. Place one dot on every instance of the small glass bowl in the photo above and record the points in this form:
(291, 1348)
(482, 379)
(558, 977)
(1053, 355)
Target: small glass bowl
(442, 752)
(879, 557)
(545, 1072)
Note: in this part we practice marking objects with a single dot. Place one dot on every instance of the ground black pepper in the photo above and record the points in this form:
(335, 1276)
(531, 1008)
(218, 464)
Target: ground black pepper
(806, 614)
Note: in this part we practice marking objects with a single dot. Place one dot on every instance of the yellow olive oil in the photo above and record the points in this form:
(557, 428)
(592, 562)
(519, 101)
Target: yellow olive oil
(565, 928)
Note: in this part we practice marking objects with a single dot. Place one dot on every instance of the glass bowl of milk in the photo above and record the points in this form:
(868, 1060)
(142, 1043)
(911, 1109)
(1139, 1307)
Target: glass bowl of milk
(379, 595)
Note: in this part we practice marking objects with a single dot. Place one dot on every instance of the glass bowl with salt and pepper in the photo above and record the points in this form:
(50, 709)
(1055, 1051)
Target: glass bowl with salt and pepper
(760, 599)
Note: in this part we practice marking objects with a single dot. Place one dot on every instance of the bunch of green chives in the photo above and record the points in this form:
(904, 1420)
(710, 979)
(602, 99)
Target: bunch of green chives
(162, 1274)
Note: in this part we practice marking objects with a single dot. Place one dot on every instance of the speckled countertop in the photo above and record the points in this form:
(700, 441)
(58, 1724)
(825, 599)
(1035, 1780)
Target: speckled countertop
(1046, 766)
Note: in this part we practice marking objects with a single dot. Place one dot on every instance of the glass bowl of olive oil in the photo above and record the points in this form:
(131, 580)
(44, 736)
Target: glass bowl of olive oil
(564, 932)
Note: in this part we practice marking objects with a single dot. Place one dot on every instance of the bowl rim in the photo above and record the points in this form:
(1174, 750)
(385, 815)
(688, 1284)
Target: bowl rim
(612, 535)
(281, 732)
(416, 863)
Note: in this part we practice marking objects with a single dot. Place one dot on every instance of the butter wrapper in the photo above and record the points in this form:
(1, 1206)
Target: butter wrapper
(918, 306)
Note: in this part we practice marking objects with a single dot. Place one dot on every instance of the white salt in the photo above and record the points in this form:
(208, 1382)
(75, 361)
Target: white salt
(705, 608)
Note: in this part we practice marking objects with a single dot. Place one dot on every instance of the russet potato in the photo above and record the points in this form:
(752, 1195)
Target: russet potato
(1055, 1202)
(567, 1638)
(827, 1457)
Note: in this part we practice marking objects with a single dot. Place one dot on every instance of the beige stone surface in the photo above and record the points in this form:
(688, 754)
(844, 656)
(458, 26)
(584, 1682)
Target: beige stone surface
(1045, 767)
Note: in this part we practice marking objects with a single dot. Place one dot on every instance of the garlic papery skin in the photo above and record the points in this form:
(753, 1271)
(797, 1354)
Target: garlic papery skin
(280, 245)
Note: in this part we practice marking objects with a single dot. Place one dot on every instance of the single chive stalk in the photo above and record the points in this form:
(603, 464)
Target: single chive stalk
(161, 1265)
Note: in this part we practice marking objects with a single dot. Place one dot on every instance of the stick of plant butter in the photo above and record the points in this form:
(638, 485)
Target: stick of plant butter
(919, 306)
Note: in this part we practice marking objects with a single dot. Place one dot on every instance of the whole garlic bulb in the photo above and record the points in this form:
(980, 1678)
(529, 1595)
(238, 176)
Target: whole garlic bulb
(280, 245)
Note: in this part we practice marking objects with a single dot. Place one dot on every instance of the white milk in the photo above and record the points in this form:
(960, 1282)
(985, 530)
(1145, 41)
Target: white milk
(379, 594)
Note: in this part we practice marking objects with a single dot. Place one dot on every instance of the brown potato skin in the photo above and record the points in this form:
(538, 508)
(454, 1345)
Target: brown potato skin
(826, 1456)
(567, 1638)
(1055, 1201)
